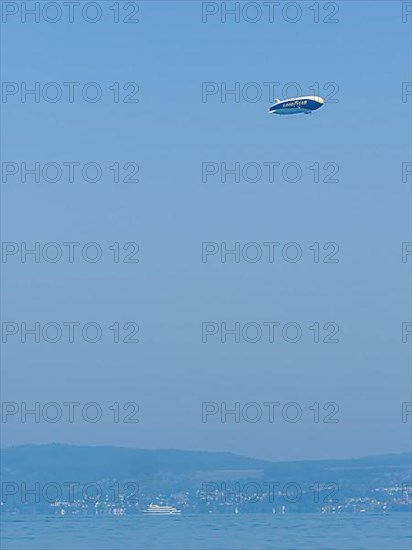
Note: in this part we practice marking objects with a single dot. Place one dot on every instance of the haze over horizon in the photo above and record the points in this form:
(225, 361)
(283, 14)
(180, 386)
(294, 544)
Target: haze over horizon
(201, 451)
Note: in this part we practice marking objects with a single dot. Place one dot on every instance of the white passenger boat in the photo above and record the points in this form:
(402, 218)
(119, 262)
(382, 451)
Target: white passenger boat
(161, 510)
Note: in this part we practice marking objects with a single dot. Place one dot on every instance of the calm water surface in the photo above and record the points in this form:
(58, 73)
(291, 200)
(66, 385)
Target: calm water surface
(288, 532)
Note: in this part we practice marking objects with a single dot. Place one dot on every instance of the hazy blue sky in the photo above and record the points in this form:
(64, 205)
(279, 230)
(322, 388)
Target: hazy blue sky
(169, 133)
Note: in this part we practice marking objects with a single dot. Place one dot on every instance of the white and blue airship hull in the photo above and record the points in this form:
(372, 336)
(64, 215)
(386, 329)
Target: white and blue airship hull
(296, 105)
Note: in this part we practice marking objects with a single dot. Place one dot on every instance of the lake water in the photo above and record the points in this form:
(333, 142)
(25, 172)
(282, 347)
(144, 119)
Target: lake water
(247, 531)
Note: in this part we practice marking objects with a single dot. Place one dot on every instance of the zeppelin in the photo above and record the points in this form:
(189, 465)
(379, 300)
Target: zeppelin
(295, 105)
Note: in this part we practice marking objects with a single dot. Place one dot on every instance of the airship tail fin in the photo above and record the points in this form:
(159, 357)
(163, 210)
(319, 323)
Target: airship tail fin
(276, 100)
